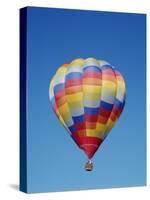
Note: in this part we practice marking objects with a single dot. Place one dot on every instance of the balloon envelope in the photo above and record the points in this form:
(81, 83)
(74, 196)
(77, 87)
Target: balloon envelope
(88, 96)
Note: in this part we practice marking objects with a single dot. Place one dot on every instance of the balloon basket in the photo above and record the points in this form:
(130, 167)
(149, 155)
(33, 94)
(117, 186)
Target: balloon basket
(89, 166)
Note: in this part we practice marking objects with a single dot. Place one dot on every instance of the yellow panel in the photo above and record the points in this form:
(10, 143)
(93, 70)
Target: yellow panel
(80, 61)
(109, 125)
(100, 128)
(64, 112)
(76, 104)
(91, 60)
(91, 132)
(92, 88)
(111, 92)
(108, 85)
(62, 121)
(61, 70)
(121, 85)
(92, 96)
(74, 97)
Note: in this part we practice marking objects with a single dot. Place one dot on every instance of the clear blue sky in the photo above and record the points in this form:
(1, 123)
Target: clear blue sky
(57, 36)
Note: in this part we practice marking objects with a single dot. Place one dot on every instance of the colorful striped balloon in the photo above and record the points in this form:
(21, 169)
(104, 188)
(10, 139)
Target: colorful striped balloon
(88, 96)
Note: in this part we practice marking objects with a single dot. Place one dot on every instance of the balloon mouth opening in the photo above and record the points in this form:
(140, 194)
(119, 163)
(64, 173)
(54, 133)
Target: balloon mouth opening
(89, 150)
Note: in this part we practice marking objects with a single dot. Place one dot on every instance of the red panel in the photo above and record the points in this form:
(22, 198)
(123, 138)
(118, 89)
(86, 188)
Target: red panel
(61, 101)
(109, 77)
(74, 89)
(102, 119)
(105, 113)
(117, 111)
(91, 75)
(88, 144)
(91, 118)
(73, 82)
(59, 94)
(117, 73)
(113, 117)
(92, 81)
(86, 139)
(80, 126)
(90, 125)
(108, 71)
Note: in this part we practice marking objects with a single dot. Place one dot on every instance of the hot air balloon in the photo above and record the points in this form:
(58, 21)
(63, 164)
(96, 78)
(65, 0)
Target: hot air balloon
(87, 96)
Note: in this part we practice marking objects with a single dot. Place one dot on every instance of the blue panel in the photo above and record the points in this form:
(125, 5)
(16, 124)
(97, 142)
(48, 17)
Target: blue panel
(119, 104)
(58, 87)
(72, 128)
(78, 119)
(73, 75)
(91, 111)
(106, 105)
(91, 68)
